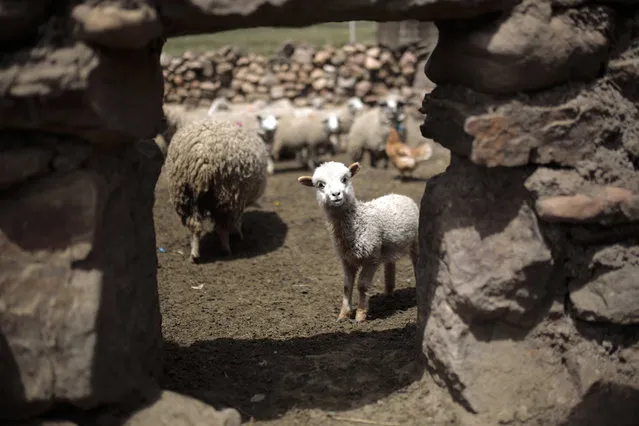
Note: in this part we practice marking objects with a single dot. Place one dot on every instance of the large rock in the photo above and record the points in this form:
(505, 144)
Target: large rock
(79, 310)
(197, 16)
(173, 409)
(535, 46)
(494, 262)
(611, 288)
(568, 125)
(65, 85)
(491, 296)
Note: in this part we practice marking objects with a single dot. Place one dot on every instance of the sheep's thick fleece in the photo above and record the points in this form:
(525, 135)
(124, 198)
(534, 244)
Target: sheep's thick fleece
(297, 132)
(215, 166)
(369, 131)
(380, 230)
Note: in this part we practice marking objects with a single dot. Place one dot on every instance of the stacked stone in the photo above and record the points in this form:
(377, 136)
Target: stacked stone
(333, 73)
(80, 324)
(528, 286)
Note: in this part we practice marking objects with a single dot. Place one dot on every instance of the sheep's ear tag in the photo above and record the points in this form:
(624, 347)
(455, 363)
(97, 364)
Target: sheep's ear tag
(305, 180)
(354, 168)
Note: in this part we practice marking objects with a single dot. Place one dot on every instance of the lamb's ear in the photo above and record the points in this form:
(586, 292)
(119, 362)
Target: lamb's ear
(354, 168)
(305, 180)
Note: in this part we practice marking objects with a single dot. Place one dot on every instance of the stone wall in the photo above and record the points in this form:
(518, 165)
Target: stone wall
(297, 73)
(529, 242)
(528, 282)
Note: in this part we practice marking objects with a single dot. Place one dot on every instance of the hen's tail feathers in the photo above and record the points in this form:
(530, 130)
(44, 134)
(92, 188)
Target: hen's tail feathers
(424, 152)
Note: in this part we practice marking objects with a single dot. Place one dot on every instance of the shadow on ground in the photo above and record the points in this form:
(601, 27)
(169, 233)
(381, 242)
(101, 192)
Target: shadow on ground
(264, 378)
(264, 232)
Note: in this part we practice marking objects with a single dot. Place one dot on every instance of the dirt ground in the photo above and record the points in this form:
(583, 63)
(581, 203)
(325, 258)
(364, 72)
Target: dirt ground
(257, 331)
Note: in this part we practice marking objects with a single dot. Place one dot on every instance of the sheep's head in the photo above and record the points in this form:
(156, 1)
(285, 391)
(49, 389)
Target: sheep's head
(332, 182)
(331, 124)
(394, 108)
(268, 126)
(355, 105)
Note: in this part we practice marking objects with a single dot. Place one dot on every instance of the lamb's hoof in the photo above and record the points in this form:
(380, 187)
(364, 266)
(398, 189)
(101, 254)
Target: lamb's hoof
(344, 315)
(195, 259)
(360, 315)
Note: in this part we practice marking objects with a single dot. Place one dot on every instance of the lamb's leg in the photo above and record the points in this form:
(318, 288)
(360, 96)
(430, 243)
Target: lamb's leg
(373, 159)
(237, 229)
(364, 284)
(195, 247)
(349, 281)
(224, 234)
(389, 278)
(270, 167)
(311, 162)
(194, 224)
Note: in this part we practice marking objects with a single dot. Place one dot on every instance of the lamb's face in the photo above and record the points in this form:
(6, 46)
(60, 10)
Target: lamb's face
(355, 105)
(394, 108)
(268, 126)
(332, 182)
(268, 122)
(331, 124)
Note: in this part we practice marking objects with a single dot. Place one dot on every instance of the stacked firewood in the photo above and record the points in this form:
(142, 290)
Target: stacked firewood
(333, 73)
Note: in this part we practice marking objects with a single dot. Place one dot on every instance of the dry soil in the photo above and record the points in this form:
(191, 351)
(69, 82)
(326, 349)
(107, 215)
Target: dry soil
(257, 331)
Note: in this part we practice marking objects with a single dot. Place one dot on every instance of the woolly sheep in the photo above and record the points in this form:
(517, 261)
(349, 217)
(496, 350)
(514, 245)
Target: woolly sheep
(365, 234)
(305, 135)
(370, 131)
(215, 168)
(252, 121)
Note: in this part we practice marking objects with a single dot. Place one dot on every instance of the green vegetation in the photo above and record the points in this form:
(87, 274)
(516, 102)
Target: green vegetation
(266, 41)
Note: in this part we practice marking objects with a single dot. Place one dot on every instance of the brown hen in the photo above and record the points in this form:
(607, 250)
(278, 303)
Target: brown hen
(406, 158)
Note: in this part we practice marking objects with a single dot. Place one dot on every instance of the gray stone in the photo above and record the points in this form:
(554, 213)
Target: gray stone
(536, 46)
(79, 90)
(494, 262)
(20, 19)
(173, 409)
(198, 16)
(492, 369)
(612, 295)
(570, 126)
(20, 163)
(79, 310)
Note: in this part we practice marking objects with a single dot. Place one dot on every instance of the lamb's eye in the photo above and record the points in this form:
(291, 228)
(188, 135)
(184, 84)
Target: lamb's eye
(344, 179)
(320, 185)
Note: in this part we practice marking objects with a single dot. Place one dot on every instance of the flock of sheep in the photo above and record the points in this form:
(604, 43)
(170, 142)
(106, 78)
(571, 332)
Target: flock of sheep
(218, 162)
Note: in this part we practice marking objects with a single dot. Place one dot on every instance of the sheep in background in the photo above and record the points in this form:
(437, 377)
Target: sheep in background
(219, 104)
(215, 169)
(346, 114)
(305, 135)
(365, 234)
(370, 130)
(268, 126)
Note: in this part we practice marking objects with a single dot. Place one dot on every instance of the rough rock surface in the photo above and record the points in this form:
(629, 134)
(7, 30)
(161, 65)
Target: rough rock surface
(528, 255)
(528, 242)
(196, 16)
(534, 46)
(79, 316)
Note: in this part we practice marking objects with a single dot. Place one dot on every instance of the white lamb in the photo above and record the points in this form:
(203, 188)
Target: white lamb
(306, 135)
(365, 234)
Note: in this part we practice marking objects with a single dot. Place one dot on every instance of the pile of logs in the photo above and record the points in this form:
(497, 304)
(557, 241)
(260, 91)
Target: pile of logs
(298, 73)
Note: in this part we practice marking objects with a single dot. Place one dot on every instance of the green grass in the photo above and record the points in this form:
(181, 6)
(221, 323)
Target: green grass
(266, 41)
